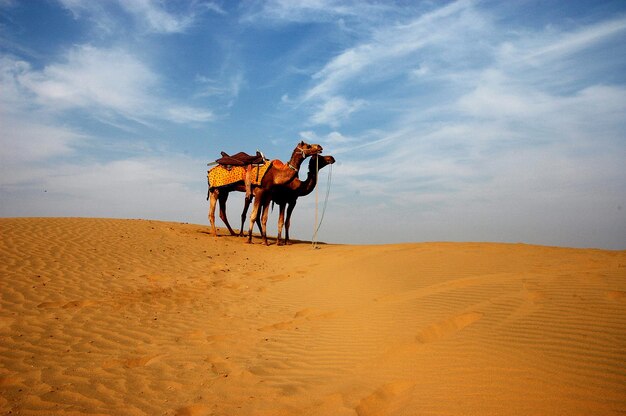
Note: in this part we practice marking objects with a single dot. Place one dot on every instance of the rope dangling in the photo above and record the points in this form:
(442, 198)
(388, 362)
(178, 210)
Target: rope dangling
(316, 225)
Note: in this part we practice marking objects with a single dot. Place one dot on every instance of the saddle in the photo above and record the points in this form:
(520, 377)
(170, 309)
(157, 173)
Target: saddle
(241, 159)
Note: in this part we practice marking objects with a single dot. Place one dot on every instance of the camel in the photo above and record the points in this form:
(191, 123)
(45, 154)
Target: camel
(221, 194)
(288, 195)
(237, 175)
(279, 174)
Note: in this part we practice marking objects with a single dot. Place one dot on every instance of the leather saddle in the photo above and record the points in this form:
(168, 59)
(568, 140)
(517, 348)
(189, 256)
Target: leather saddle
(241, 159)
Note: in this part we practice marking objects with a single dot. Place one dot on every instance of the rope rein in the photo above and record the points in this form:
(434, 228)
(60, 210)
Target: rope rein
(317, 225)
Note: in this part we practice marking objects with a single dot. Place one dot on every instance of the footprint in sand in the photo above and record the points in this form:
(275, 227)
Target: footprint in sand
(10, 380)
(5, 323)
(79, 304)
(386, 399)
(50, 305)
(67, 305)
(616, 295)
(311, 314)
(277, 277)
(221, 367)
(220, 338)
(447, 327)
(142, 361)
(308, 314)
(194, 410)
(278, 326)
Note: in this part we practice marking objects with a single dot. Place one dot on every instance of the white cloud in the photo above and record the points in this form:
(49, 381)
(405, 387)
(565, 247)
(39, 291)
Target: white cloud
(31, 140)
(227, 89)
(157, 19)
(385, 54)
(333, 143)
(265, 12)
(153, 187)
(438, 38)
(334, 110)
(101, 81)
(184, 114)
(150, 15)
(89, 76)
(569, 43)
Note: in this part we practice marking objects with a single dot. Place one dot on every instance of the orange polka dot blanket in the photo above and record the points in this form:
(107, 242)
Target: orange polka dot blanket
(222, 176)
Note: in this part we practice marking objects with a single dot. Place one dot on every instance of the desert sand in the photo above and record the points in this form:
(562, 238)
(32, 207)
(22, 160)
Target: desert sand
(136, 317)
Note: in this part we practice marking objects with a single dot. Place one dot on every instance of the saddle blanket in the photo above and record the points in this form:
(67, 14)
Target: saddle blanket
(222, 176)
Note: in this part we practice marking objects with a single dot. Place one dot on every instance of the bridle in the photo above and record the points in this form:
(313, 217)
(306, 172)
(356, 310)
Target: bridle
(303, 154)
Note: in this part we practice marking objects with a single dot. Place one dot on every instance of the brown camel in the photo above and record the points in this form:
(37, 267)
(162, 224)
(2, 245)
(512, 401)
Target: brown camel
(279, 174)
(221, 194)
(288, 195)
(229, 179)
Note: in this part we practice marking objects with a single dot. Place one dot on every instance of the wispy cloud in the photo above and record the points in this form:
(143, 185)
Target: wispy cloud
(286, 11)
(392, 52)
(93, 77)
(87, 79)
(568, 43)
(151, 16)
(226, 89)
(334, 110)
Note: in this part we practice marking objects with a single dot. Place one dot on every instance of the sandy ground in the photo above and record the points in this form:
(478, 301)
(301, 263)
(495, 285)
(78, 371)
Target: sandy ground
(133, 317)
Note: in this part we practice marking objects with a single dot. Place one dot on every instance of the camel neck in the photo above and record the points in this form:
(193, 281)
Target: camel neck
(286, 174)
(296, 160)
(309, 183)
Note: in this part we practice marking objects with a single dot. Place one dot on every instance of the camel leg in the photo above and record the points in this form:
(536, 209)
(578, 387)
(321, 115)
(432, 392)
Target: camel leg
(290, 208)
(281, 222)
(246, 205)
(222, 198)
(258, 218)
(254, 214)
(212, 201)
(266, 212)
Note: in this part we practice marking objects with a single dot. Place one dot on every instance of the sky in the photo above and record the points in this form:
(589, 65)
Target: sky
(465, 120)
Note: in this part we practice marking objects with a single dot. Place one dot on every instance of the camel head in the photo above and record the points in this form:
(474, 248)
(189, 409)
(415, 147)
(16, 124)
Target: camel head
(309, 149)
(319, 161)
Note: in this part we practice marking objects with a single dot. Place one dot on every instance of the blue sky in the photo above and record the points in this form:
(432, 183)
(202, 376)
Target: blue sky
(449, 121)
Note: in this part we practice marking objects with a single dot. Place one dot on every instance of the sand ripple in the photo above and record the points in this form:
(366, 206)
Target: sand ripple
(131, 317)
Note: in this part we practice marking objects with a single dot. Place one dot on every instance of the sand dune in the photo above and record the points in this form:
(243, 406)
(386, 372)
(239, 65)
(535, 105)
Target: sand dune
(133, 317)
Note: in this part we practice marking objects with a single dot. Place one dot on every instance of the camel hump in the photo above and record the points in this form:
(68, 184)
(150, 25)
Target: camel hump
(278, 164)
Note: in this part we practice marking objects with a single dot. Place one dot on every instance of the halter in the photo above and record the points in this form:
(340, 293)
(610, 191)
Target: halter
(302, 153)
